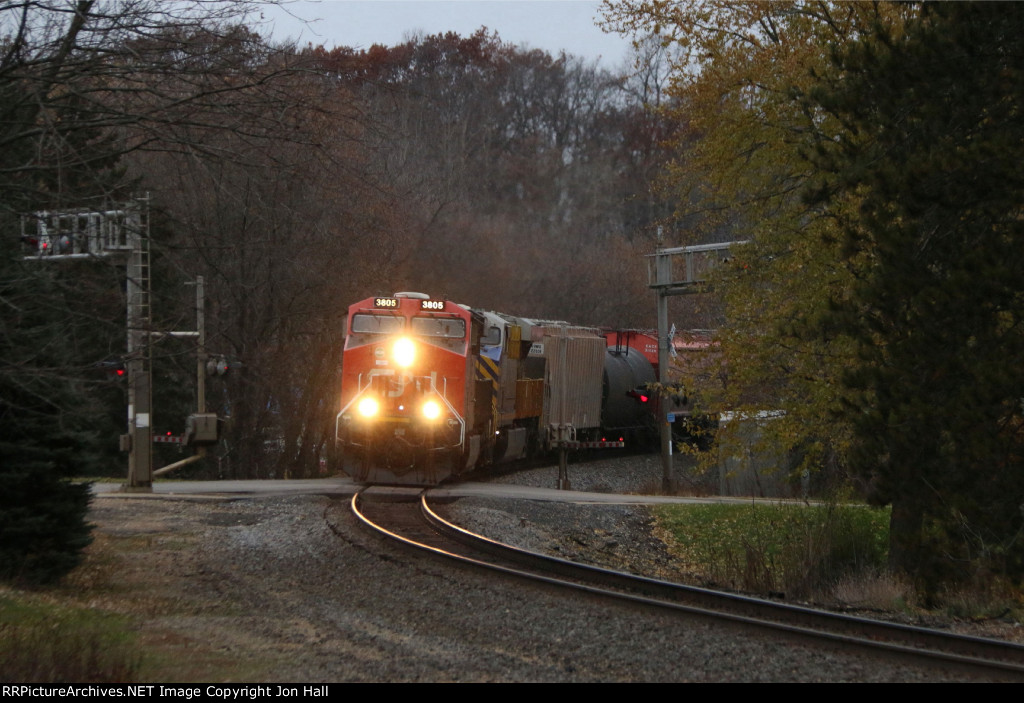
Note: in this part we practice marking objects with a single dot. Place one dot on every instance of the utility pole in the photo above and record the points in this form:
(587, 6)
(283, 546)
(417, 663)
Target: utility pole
(201, 346)
(663, 267)
(564, 427)
(202, 424)
(139, 364)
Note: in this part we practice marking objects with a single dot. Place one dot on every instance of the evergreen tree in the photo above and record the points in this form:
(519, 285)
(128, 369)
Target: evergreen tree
(43, 440)
(930, 154)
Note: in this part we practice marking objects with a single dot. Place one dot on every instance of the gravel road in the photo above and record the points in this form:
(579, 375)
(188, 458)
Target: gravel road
(292, 589)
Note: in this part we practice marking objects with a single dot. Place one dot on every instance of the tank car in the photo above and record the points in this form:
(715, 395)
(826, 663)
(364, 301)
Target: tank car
(692, 356)
(432, 389)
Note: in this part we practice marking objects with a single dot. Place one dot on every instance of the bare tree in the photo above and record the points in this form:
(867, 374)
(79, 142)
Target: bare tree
(82, 84)
(515, 168)
(286, 231)
(84, 81)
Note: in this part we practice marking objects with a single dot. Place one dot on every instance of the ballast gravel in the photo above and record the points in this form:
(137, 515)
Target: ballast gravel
(292, 589)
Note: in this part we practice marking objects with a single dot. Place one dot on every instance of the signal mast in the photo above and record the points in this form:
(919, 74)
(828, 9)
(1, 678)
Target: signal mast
(698, 262)
(122, 234)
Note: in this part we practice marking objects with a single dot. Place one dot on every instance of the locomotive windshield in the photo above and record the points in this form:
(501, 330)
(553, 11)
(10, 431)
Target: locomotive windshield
(444, 327)
(377, 324)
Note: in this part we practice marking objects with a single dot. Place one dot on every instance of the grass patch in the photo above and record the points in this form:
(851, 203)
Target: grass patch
(796, 550)
(984, 599)
(46, 642)
(877, 591)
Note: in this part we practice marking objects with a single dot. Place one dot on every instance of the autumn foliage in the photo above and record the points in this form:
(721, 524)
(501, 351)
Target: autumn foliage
(867, 151)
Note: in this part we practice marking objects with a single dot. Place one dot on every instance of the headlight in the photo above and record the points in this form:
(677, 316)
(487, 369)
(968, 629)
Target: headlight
(404, 352)
(431, 410)
(368, 407)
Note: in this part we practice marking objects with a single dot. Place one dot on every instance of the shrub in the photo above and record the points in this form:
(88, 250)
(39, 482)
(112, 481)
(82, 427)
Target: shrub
(791, 549)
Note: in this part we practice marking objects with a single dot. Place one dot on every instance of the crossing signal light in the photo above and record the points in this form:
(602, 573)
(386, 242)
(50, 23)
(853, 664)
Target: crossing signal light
(112, 369)
(217, 366)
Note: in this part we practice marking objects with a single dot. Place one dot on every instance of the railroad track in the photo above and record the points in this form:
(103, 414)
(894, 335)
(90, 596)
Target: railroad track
(415, 524)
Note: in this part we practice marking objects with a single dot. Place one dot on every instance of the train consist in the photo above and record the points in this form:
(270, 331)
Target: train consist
(432, 389)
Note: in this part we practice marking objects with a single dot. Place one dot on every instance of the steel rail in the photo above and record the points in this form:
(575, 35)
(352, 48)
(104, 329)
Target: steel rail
(981, 655)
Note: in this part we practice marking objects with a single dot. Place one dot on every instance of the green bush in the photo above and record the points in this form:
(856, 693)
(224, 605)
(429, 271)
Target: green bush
(791, 549)
(43, 527)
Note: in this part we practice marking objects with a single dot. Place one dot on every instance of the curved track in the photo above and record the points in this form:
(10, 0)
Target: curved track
(417, 525)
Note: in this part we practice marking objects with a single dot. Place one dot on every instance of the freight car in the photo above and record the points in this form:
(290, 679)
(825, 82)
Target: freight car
(432, 389)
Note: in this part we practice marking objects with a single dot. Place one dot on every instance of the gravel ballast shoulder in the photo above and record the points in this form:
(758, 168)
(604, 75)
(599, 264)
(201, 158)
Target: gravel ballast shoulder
(292, 589)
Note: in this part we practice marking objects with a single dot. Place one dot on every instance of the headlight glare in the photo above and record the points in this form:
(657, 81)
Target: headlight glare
(368, 407)
(431, 410)
(404, 352)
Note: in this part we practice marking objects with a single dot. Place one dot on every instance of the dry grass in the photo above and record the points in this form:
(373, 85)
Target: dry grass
(873, 591)
(987, 598)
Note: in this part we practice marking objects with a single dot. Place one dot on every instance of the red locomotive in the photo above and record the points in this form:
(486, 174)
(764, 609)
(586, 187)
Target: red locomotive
(432, 389)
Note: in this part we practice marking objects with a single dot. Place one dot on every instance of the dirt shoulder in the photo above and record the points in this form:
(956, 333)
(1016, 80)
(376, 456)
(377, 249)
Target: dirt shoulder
(162, 563)
(290, 589)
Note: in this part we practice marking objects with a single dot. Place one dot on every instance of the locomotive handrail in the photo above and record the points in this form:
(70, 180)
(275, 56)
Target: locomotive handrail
(362, 389)
(451, 408)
